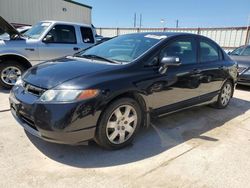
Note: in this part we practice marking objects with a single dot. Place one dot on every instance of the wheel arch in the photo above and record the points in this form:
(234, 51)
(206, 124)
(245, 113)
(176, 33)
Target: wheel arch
(135, 96)
(19, 58)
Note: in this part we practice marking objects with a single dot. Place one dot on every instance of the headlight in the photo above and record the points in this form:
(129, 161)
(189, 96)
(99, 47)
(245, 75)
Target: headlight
(68, 95)
(19, 81)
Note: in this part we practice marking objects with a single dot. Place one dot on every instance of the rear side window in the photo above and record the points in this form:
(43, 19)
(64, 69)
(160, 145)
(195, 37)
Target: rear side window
(209, 51)
(63, 34)
(87, 35)
(246, 52)
(184, 48)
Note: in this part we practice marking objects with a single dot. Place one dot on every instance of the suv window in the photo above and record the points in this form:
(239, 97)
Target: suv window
(63, 34)
(246, 52)
(184, 48)
(87, 35)
(209, 51)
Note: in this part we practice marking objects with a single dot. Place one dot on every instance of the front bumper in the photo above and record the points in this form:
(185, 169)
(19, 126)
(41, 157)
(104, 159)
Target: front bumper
(67, 123)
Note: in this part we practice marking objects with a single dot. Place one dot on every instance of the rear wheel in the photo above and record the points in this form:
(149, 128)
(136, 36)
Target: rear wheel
(225, 95)
(119, 124)
(9, 72)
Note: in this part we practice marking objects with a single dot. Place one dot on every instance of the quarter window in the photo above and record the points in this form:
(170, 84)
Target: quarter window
(87, 35)
(209, 52)
(63, 34)
(185, 49)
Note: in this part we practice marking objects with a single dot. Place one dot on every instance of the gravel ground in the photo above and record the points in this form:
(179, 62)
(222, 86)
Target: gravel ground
(199, 147)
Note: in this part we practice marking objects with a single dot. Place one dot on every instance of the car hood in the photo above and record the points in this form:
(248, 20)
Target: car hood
(243, 61)
(5, 27)
(53, 73)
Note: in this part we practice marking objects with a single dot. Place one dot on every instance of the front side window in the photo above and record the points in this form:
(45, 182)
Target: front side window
(63, 34)
(209, 51)
(125, 48)
(184, 48)
(37, 30)
(87, 35)
(246, 52)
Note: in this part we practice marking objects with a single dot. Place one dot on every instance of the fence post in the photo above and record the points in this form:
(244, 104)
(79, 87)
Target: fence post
(247, 36)
(117, 31)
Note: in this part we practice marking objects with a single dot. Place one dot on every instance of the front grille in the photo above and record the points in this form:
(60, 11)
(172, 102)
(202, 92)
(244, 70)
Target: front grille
(34, 90)
(28, 121)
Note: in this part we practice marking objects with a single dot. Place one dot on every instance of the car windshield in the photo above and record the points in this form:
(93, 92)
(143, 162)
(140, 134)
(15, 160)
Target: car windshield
(37, 30)
(125, 48)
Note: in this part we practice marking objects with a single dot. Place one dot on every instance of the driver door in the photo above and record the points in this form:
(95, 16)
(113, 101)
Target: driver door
(62, 42)
(179, 86)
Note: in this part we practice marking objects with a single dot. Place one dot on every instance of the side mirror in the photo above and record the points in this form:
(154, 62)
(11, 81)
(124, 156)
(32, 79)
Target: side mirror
(229, 53)
(48, 39)
(166, 62)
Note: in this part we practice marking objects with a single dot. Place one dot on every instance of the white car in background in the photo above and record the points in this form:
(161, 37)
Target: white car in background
(44, 41)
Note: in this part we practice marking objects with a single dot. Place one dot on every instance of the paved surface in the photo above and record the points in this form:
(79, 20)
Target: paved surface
(202, 147)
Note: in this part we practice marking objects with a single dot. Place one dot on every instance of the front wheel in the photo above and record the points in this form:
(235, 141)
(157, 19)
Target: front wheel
(9, 72)
(225, 95)
(119, 124)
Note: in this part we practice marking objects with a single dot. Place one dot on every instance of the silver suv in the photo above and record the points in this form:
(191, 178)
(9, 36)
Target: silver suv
(44, 41)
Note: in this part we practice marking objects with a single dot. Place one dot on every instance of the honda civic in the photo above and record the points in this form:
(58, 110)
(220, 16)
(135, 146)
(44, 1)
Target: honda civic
(108, 92)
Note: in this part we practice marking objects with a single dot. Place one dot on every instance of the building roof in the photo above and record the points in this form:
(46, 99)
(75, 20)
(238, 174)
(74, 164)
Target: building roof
(77, 3)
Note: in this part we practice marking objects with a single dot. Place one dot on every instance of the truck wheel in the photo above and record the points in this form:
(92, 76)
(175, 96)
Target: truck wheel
(10, 70)
(119, 124)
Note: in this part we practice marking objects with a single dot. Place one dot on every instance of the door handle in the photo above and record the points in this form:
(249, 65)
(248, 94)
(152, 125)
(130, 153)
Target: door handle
(30, 49)
(76, 48)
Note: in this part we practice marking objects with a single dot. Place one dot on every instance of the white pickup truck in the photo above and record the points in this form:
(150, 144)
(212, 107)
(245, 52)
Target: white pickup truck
(44, 41)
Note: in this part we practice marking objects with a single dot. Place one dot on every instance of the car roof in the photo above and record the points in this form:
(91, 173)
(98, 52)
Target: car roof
(160, 34)
(66, 23)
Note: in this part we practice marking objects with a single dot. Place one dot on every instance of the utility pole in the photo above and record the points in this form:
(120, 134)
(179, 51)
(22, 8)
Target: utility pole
(140, 20)
(177, 23)
(135, 20)
(248, 31)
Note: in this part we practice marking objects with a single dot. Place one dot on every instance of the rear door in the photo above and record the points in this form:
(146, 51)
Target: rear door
(64, 42)
(212, 67)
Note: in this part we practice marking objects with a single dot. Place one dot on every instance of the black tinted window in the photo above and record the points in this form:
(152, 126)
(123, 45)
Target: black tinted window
(185, 49)
(209, 51)
(63, 34)
(87, 35)
(246, 52)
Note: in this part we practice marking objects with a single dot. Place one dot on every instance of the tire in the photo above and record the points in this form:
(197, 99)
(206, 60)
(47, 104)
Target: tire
(12, 67)
(225, 95)
(116, 129)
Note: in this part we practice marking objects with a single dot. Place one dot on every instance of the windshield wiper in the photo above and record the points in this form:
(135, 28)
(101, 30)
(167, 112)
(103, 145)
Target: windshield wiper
(91, 56)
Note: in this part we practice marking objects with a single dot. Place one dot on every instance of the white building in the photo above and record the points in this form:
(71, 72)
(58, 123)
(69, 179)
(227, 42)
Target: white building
(31, 11)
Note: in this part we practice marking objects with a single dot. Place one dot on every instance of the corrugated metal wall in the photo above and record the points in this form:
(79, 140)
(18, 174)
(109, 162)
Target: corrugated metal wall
(228, 38)
(32, 11)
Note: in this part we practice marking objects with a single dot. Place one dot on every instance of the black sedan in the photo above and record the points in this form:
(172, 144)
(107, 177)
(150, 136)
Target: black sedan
(108, 92)
(242, 56)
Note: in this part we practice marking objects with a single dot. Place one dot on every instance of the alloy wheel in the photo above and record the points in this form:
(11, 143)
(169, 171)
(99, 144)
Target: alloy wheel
(226, 94)
(121, 124)
(10, 74)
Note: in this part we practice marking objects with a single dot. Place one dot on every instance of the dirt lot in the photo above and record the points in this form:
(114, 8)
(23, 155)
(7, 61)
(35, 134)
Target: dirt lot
(201, 147)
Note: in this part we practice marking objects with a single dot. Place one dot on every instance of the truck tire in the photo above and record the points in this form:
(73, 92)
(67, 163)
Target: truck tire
(10, 70)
